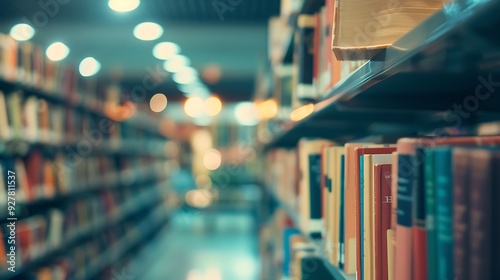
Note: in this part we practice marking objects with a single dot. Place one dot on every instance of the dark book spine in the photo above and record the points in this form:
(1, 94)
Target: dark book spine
(305, 56)
(342, 213)
(430, 201)
(480, 216)
(495, 265)
(405, 189)
(315, 192)
(460, 213)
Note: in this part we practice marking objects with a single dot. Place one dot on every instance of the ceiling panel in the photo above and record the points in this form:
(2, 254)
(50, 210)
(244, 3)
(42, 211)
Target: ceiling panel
(236, 40)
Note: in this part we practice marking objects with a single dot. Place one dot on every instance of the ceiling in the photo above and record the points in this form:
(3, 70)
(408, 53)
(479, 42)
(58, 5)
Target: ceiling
(235, 40)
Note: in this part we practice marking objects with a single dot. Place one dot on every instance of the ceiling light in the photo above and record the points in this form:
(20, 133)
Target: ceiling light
(22, 32)
(212, 159)
(176, 63)
(246, 114)
(89, 67)
(123, 6)
(186, 75)
(194, 106)
(165, 50)
(213, 106)
(148, 31)
(158, 102)
(57, 51)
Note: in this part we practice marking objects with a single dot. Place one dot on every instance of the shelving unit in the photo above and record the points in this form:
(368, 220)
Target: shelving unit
(408, 89)
(115, 192)
(140, 203)
(445, 52)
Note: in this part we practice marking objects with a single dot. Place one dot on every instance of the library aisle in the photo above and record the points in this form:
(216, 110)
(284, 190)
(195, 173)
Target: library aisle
(249, 139)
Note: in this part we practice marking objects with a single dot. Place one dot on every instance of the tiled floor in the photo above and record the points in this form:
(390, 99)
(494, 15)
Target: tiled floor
(201, 246)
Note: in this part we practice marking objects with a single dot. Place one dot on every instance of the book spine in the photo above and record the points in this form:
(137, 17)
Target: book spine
(480, 219)
(444, 213)
(377, 218)
(315, 195)
(386, 201)
(430, 198)
(461, 212)
(342, 213)
(419, 230)
(403, 257)
(495, 272)
(305, 88)
(394, 213)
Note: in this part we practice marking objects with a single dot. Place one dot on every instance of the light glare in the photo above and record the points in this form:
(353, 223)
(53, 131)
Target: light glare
(176, 63)
(165, 50)
(246, 114)
(148, 31)
(194, 106)
(123, 6)
(22, 32)
(57, 51)
(89, 67)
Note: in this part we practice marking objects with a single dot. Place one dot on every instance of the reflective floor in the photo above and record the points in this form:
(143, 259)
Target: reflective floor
(220, 245)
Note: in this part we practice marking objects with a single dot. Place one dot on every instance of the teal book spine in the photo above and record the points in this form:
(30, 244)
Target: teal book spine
(430, 222)
(342, 212)
(444, 212)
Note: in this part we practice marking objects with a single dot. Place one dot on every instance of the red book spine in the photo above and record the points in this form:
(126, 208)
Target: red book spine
(385, 221)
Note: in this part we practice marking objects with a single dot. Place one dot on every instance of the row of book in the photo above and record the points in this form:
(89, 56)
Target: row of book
(82, 218)
(25, 63)
(423, 208)
(41, 175)
(32, 119)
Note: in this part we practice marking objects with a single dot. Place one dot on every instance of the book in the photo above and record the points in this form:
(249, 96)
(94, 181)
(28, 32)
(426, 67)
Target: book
(310, 186)
(364, 29)
(444, 212)
(394, 215)
(4, 119)
(336, 197)
(406, 168)
(382, 180)
(367, 209)
(461, 230)
(358, 208)
(350, 187)
(480, 217)
(304, 58)
(430, 205)
(419, 217)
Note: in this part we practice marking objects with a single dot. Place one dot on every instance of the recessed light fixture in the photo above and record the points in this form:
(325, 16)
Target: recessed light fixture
(165, 50)
(57, 51)
(89, 67)
(148, 31)
(186, 75)
(22, 32)
(246, 114)
(176, 63)
(123, 6)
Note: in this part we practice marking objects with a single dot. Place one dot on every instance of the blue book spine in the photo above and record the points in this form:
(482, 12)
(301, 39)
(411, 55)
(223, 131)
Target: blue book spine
(342, 213)
(287, 233)
(315, 192)
(444, 212)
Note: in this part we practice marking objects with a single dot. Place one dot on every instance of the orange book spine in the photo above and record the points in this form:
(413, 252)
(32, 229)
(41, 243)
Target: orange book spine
(350, 209)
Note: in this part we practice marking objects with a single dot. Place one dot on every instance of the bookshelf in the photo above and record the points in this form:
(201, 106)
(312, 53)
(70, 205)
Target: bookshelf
(406, 90)
(370, 101)
(91, 183)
